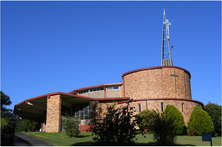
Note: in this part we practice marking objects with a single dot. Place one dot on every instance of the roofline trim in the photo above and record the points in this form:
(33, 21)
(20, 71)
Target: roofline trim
(155, 67)
(101, 85)
(168, 99)
(50, 94)
(78, 96)
(112, 99)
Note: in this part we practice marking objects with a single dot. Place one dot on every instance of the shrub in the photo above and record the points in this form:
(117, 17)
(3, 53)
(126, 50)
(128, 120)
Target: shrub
(30, 126)
(214, 111)
(145, 120)
(164, 131)
(199, 122)
(71, 126)
(116, 128)
(173, 113)
(3, 123)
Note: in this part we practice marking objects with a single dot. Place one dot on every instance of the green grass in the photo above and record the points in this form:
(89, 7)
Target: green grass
(61, 139)
(180, 141)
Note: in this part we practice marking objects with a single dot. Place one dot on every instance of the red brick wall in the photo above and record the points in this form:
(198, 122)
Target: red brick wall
(157, 83)
(86, 128)
(156, 105)
(53, 120)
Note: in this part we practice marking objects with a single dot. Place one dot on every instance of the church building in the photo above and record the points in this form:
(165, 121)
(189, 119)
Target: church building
(145, 88)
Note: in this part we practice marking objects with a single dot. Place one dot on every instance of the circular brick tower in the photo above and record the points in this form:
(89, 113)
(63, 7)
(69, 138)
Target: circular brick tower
(157, 87)
(157, 82)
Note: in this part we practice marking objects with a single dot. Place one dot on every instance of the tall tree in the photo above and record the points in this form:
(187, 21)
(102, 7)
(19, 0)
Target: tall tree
(214, 110)
(7, 113)
(5, 101)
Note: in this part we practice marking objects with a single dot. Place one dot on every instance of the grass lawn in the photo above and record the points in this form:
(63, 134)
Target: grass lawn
(61, 139)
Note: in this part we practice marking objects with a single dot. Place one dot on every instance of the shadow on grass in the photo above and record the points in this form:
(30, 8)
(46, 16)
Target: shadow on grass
(88, 143)
(82, 136)
(154, 144)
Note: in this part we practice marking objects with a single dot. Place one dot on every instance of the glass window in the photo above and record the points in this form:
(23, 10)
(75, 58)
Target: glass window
(182, 107)
(77, 114)
(117, 87)
(81, 114)
(162, 107)
(91, 90)
(109, 88)
(139, 108)
(82, 111)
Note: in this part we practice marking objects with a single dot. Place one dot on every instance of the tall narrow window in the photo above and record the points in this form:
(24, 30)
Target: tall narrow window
(139, 108)
(182, 107)
(162, 107)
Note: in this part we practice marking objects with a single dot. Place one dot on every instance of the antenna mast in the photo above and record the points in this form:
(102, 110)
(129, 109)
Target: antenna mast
(166, 49)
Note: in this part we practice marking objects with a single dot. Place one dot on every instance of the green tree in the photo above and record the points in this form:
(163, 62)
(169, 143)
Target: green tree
(30, 126)
(199, 122)
(7, 114)
(71, 125)
(214, 110)
(145, 120)
(173, 113)
(3, 123)
(5, 101)
(116, 128)
(164, 131)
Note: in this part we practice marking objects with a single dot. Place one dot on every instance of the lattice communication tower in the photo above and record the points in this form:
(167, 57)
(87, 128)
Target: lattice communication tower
(166, 49)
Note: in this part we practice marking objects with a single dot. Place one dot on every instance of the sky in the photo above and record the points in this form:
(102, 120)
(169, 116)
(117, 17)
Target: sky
(61, 46)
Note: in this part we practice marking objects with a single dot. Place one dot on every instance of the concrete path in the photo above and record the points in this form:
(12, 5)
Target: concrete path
(22, 139)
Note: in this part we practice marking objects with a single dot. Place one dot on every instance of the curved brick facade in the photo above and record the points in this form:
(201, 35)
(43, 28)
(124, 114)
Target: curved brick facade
(157, 83)
(184, 106)
(148, 88)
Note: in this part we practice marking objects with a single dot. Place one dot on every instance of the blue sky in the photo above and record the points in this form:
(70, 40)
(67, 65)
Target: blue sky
(61, 46)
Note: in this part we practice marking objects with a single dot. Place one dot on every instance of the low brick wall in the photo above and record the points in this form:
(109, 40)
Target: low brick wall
(184, 106)
(86, 128)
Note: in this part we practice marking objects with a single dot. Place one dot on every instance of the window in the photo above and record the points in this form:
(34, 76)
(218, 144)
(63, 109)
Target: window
(182, 107)
(82, 111)
(117, 87)
(109, 88)
(98, 89)
(139, 108)
(162, 107)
